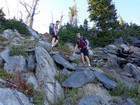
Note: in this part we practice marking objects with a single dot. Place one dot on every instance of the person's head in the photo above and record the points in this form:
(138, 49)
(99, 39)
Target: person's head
(57, 22)
(78, 35)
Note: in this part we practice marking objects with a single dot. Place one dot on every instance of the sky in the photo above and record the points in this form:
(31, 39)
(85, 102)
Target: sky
(127, 9)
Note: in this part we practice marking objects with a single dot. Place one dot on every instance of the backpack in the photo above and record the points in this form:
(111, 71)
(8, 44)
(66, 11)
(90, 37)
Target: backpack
(86, 38)
(82, 43)
(51, 28)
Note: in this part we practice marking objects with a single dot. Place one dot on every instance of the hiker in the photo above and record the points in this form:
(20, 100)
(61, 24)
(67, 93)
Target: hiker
(56, 28)
(83, 44)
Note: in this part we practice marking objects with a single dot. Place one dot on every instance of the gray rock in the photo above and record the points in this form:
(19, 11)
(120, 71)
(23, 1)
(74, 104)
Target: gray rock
(31, 62)
(12, 97)
(135, 41)
(90, 100)
(80, 68)
(8, 34)
(125, 47)
(90, 52)
(45, 45)
(45, 73)
(74, 57)
(5, 54)
(111, 47)
(17, 41)
(15, 64)
(1, 60)
(137, 61)
(127, 101)
(113, 61)
(79, 78)
(65, 72)
(33, 33)
(70, 46)
(97, 90)
(133, 70)
(60, 60)
(130, 102)
(109, 84)
(32, 79)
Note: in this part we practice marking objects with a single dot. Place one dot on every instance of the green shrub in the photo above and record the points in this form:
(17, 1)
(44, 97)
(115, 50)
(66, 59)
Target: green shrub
(96, 37)
(2, 18)
(119, 90)
(134, 91)
(2, 73)
(111, 77)
(1, 28)
(21, 27)
(61, 77)
(67, 34)
(2, 39)
(38, 98)
(31, 85)
(18, 50)
(124, 91)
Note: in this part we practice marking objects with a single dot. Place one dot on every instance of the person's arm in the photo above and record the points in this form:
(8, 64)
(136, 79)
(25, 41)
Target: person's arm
(76, 46)
(87, 44)
(55, 31)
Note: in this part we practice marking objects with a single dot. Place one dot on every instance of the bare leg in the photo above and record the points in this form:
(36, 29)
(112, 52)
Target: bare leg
(82, 57)
(88, 61)
(53, 41)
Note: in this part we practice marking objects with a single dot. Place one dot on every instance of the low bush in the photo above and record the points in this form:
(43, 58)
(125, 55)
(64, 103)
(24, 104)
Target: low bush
(21, 27)
(18, 50)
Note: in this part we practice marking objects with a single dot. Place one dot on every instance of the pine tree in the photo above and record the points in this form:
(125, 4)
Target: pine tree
(103, 12)
(85, 25)
(73, 14)
(2, 18)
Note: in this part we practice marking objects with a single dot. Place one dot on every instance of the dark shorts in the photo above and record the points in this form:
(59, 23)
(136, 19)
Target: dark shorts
(84, 51)
(55, 36)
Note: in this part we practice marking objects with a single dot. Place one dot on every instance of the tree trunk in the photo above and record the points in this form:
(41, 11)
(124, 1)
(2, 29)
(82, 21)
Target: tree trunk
(31, 10)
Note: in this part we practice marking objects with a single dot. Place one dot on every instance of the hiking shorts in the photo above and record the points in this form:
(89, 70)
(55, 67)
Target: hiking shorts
(55, 36)
(84, 51)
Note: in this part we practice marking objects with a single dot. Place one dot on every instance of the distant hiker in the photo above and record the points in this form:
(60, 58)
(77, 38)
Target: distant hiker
(56, 28)
(83, 44)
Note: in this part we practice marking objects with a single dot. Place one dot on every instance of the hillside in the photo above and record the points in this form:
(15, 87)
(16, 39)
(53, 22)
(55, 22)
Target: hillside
(30, 74)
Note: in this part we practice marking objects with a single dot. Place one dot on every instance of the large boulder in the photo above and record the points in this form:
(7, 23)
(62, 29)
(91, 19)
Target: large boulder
(108, 83)
(33, 32)
(79, 78)
(133, 70)
(60, 60)
(15, 64)
(12, 97)
(46, 45)
(45, 73)
(96, 89)
(5, 54)
(135, 41)
(75, 57)
(8, 34)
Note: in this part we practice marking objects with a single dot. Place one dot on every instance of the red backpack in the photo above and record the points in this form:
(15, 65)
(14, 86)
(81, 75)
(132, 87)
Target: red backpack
(82, 43)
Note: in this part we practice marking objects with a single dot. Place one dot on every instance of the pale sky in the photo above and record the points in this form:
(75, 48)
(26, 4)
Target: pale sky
(128, 9)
